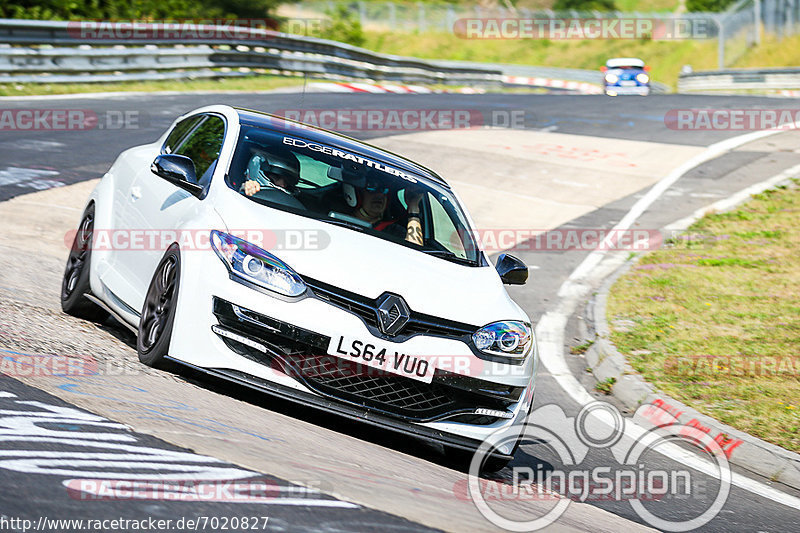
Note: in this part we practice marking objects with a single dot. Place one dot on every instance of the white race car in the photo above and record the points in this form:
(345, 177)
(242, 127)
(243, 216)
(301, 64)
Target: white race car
(312, 266)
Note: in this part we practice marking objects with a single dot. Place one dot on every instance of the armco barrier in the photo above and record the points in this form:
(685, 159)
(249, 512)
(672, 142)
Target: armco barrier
(50, 52)
(732, 80)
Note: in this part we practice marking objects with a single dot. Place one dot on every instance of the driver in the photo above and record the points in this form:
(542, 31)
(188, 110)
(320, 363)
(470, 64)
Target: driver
(278, 169)
(370, 206)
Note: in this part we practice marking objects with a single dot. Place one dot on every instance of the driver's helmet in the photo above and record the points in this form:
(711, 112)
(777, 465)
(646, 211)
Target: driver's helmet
(267, 166)
(374, 181)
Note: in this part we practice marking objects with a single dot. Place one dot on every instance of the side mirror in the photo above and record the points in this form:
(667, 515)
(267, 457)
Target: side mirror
(178, 170)
(512, 271)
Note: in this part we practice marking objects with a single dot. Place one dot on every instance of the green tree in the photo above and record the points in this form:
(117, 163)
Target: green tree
(136, 9)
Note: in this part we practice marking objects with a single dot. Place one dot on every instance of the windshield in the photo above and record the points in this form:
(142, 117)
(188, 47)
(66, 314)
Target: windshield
(346, 189)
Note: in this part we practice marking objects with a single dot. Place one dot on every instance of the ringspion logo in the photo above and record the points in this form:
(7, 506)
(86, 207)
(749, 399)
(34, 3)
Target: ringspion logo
(631, 471)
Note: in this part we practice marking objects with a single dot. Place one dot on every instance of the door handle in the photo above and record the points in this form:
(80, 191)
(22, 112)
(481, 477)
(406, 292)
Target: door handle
(136, 193)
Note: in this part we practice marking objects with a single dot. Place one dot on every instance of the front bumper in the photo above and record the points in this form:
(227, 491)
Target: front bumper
(348, 411)
(280, 347)
(638, 90)
(301, 354)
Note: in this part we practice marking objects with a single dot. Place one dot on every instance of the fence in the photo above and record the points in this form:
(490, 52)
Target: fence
(740, 27)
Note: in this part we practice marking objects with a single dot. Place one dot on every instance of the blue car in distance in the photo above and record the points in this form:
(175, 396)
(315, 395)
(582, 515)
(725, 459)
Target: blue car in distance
(626, 75)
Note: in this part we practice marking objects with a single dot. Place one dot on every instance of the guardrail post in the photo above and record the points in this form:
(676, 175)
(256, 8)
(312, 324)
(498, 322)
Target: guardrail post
(720, 44)
(451, 18)
(362, 14)
(757, 21)
(392, 15)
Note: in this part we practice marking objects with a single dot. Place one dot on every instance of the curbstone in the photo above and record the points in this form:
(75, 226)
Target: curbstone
(652, 408)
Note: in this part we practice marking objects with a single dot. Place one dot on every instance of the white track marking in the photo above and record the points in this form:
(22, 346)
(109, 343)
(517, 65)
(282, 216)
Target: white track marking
(731, 201)
(655, 192)
(550, 330)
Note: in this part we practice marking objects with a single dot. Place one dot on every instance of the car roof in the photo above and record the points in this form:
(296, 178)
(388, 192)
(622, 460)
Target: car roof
(314, 134)
(624, 62)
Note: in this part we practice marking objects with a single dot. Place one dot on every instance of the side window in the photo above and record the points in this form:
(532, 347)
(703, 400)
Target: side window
(444, 231)
(202, 146)
(313, 171)
(178, 133)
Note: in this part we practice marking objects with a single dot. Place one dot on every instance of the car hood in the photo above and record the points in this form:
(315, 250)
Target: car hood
(370, 266)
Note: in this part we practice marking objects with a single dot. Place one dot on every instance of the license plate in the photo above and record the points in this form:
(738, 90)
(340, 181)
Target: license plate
(383, 356)
(627, 83)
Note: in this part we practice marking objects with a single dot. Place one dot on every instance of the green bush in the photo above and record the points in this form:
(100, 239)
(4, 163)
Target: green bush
(344, 27)
(584, 5)
(708, 5)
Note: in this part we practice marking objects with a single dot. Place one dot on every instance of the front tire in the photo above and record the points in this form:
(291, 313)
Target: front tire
(75, 284)
(158, 313)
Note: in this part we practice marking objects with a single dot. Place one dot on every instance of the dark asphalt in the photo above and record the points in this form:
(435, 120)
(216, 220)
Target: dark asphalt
(43, 439)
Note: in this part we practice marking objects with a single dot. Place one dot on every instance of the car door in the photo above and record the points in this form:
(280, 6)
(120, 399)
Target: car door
(160, 208)
(118, 275)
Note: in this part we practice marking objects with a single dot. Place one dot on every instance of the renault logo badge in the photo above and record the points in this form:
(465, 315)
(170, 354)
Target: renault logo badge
(393, 313)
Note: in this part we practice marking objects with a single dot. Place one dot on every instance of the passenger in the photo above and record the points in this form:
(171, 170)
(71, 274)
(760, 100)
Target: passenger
(370, 205)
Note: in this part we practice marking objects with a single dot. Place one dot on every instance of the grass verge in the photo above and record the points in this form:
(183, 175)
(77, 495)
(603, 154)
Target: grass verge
(664, 57)
(249, 84)
(717, 325)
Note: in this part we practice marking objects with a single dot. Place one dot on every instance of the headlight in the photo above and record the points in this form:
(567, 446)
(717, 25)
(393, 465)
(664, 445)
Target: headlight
(509, 339)
(642, 77)
(611, 78)
(252, 264)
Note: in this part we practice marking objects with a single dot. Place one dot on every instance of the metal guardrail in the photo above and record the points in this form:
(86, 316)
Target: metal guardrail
(594, 77)
(252, 49)
(732, 80)
(56, 52)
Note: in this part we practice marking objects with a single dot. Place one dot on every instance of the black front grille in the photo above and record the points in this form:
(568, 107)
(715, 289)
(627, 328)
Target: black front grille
(366, 309)
(301, 354)
(373, 387)
(362, 310)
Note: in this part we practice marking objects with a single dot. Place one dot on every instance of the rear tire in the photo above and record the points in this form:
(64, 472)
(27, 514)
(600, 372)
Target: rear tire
(75, 284)
(158, 312)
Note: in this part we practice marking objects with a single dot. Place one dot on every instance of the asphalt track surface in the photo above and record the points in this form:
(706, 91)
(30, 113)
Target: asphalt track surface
(70, 157)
